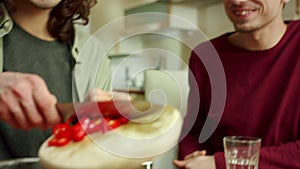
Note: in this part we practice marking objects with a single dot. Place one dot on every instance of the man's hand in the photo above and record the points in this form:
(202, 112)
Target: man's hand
(101, 95)
(196, 160)
(25, 101)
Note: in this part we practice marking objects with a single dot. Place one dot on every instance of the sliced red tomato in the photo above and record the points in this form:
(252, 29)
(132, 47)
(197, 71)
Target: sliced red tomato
(58, 141)
(114, 123)
(62, 131)
(94, 126)
(72, 120)
(74, 129)
(85, 122)
(107, 119)
(123, 120)
(78, 132)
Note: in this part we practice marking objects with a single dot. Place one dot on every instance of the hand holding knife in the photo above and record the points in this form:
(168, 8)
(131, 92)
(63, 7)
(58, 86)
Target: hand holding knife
(110, 108)
(102, 116)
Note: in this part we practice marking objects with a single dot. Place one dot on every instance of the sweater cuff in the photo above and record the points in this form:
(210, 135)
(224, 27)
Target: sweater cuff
(220, 160)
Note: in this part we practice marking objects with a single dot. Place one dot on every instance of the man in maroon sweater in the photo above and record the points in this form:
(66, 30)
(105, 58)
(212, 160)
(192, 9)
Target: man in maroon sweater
(261, 64)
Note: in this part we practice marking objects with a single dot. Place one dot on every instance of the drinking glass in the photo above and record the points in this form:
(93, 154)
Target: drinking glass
(241, 152)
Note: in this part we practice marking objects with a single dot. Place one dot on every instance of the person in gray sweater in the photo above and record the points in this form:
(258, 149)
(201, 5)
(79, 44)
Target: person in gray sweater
(40, 49)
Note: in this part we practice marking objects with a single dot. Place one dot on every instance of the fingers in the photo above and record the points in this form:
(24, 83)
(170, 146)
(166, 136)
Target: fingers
(99, 95)
(45, 103)
(121, 96)
(30, 110)
(181, 163)
(7, 117)
(25, 101)
(23, 97)
(11, 104)
(189, 158)
(50, 112)
(195, 154)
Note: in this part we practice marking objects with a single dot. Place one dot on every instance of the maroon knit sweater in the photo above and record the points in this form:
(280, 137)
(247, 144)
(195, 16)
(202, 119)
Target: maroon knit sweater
(262, 99)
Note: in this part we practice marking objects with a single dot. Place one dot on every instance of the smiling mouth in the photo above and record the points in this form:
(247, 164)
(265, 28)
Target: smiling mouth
(243, 12)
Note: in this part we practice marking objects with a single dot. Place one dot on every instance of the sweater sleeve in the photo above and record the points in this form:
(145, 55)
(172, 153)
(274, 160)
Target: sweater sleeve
(220, 160)
(281, 156)
(196, 112)
(188, 145)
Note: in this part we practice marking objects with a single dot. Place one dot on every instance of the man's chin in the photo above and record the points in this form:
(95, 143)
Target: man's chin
(245, 29)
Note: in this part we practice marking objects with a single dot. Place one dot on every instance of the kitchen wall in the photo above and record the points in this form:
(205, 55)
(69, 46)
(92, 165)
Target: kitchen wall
(207, 16)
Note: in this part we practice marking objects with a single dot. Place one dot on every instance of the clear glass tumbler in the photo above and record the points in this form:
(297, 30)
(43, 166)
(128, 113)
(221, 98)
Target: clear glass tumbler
(241, 152)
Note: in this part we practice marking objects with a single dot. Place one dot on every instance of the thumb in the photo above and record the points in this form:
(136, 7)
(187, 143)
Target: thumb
(181, 163)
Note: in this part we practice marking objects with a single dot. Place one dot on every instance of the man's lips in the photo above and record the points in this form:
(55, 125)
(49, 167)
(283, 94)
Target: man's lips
(243, 12)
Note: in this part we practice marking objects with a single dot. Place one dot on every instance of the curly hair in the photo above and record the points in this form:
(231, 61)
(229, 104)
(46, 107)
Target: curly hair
(64, 16)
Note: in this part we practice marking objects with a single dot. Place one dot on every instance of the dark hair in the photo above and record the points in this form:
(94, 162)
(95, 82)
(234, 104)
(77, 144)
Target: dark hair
(65, 14)
(63, 17)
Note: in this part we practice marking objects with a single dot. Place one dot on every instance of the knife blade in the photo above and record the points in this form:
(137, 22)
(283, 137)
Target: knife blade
(112, 108)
